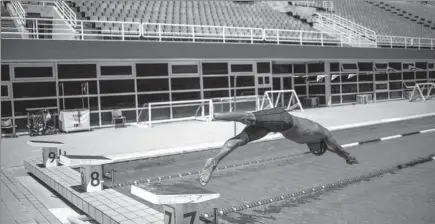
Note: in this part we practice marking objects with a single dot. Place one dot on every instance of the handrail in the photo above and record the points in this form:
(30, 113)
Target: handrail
(192, 33)
(19, 10)
(66, 12)
(349, 24)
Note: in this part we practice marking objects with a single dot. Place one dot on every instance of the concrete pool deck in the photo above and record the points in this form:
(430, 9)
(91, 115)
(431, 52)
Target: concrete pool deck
(178, 137)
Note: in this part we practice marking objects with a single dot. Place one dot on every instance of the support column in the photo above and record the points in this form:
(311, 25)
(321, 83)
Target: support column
(327, 83)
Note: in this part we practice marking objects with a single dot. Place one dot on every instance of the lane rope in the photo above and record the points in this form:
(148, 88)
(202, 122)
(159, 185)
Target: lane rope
(319, 188)
(254, 162)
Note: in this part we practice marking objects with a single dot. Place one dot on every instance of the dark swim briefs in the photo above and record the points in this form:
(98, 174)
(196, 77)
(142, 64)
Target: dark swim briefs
(274, 120)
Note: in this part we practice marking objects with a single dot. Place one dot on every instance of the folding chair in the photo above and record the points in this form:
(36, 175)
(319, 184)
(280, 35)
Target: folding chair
(117, 115)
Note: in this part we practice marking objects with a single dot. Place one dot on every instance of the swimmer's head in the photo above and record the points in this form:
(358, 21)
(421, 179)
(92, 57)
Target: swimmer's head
(318, 148)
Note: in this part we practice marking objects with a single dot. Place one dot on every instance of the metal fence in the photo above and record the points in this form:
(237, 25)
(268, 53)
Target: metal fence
(119, 30)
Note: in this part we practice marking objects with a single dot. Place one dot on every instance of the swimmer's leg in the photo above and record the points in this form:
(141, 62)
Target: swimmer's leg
(246, 118)
(249, 134)
(337, 149)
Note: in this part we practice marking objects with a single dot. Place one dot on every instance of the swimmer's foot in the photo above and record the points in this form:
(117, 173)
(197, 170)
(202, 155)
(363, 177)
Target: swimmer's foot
(351, 160)
(207, 171)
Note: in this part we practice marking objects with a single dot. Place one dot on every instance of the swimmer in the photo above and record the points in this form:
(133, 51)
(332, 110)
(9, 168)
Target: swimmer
(260, 123)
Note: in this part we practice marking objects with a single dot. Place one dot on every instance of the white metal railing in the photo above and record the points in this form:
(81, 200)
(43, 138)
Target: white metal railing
(202, 103)
(195, 32)
(347, 24)
(66, 12)
(119, 30)
(19, 11)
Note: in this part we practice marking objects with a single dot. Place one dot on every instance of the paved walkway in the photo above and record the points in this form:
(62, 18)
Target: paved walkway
(182, 134)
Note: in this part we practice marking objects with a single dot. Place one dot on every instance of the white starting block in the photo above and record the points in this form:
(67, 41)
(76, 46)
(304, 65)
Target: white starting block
(91, 170)
(49, 151)
(180, 201)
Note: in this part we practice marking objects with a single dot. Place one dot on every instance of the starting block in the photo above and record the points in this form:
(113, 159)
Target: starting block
(49, 151)
(180, 201)
(91, 170)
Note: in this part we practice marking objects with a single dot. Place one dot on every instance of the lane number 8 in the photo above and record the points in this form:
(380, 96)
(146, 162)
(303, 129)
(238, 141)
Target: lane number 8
(95, 180)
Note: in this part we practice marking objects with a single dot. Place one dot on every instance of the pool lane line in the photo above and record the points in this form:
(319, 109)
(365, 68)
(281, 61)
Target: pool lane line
(179, 175)
(320, 188)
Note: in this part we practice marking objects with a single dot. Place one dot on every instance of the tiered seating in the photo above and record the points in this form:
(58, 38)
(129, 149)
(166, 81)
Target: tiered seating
(212, 13)
(379, 20)
(413, 11)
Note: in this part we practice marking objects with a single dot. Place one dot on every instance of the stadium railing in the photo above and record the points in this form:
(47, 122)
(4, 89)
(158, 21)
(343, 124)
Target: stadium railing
(119, 30)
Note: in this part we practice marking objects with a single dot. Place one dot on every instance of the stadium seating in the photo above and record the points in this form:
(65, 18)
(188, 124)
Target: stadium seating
(413, 11)
(212, 13)
(381, 21)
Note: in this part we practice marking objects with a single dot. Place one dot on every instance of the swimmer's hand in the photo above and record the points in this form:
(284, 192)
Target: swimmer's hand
(351, 160)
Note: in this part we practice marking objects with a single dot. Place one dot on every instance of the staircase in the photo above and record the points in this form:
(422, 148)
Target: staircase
(8, 25)
(352, 33)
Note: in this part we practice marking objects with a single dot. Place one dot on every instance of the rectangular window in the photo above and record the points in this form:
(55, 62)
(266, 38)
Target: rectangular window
(381, 66)
(244, 92)
(112, 102)
(6, 109)
(184, 69)
(300, 69)
(313, 79)
(151, 85)
(316, 68)
(432, 75)
(282, 69)
(33, 72)
(185, 83)
(116, 86)
(146, 70)
(421, 65)
(75, 88)
(300, 80)
(34, 89)
(349, 67)
(335, 78)
(241, 68)
(215, 82)
(395, 85)
(149, 98)
(431, 65)
(20, 106)
(123, 70)
(301, 90)
(334, 67)
(5, 73)
(349, 78)
(214, 68)
(186, 96)
(243, 81)
(5, 91)
(263, 67)
(365, 87)
(316, 89)
(420, 75)
(77, 103)
(408, 75)
(365, 77)
(395, 76)
(349, 88)
(335, 89)
(381, 77)
(287, 82)
(395, 65)
(76, 71)
(365, 66)
(264, 80)
(216, 94)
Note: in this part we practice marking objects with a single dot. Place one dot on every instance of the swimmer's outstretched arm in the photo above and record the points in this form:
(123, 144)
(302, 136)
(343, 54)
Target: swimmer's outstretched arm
(337, 149)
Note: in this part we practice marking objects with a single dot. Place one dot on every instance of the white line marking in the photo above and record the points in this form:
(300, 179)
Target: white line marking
(428, 130)
(391, 137)
(350, 145)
